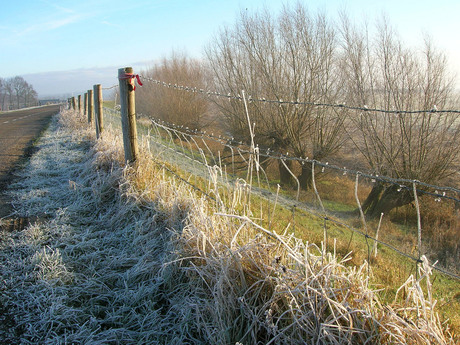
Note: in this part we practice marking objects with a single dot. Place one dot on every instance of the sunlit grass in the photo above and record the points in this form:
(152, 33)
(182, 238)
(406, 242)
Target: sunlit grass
(136, 255)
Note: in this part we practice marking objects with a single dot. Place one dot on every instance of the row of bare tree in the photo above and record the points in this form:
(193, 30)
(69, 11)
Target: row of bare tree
(16, 93)
(308, 58)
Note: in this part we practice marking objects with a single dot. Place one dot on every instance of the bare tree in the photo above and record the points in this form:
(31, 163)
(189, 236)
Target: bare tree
(15, 93)
(18, 84)
(30, 96)
(382, 74)
(291, 57)
(168, 104)
(9, 93)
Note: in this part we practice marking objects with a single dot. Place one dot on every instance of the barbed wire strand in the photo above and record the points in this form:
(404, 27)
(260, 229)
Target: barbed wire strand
(275, 155)
(326, 218)
(303, 207)
(110, 87)
(296, 103)
(304, 160)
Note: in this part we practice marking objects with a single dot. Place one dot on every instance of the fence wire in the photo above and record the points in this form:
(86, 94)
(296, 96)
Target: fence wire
(238, 97)
(273, 154)
(191, 144)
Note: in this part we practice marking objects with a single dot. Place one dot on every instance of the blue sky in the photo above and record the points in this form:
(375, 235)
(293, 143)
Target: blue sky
(59, 45)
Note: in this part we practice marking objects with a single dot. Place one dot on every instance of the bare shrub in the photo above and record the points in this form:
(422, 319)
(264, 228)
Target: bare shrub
(167, 104)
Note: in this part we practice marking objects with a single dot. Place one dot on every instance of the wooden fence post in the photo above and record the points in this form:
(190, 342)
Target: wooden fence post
(73, 102)
(128, 113)
(90, 106)
(79, 104)
(98, 109)
(85, 104)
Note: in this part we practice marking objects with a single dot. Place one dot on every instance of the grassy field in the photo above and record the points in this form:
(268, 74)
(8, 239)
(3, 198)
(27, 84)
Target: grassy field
(136, 255)
(389, 269)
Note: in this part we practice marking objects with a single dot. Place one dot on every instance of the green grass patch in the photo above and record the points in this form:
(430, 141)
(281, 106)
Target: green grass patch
(108, 104)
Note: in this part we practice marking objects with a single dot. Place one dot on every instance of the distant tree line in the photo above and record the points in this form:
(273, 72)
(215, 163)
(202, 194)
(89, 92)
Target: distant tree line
(305, 57)
(16, 93)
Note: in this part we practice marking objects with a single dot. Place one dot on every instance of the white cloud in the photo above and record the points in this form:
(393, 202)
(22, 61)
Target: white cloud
(51, 24)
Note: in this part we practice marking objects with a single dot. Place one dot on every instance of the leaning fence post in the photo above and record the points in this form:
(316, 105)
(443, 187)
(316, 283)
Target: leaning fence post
(98, 109)
(128, 113)
(90, 106)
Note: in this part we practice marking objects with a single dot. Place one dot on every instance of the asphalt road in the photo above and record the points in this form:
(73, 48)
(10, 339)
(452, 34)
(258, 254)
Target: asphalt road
(18, 130)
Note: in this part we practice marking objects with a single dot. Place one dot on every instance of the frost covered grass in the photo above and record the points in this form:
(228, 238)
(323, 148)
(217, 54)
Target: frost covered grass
(130, 255)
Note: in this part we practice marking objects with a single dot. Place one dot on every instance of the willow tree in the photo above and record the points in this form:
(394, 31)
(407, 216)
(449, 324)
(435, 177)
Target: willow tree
(291, 57)
(381, 73)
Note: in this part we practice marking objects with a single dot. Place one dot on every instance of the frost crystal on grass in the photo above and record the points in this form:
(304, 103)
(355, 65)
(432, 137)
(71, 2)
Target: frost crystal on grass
(131, 256)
